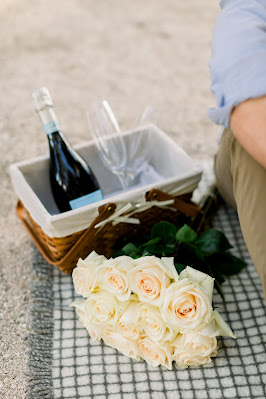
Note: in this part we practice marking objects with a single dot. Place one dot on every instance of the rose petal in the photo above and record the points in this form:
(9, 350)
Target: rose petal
(169, 264)
(205, 281)
(222, 327)
(130, 314)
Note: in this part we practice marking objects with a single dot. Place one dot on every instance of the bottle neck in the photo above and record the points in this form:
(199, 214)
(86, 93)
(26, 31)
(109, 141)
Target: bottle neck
(49, 120)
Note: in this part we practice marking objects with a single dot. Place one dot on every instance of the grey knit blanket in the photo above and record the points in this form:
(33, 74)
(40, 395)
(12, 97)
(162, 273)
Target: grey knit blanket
(65, 363)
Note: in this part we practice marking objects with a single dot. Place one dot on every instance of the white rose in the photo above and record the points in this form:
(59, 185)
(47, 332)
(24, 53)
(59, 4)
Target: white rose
(204, 280)
(124, 345)
(84, 275)
(185, 359)
(150, 278)
(154, 326)
(186, 306)
(81, 311)
(193, 349)
(102, 307)
(113, 273)
(128, 324)
(156, 354)
(196, 343)
(95, 330)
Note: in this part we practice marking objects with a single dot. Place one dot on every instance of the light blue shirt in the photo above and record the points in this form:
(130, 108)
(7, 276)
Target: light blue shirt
(238, 60)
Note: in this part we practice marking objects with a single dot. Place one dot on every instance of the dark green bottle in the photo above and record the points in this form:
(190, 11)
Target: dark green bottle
(73, 182)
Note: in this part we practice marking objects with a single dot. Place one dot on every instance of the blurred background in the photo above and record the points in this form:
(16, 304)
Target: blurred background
(132, 53)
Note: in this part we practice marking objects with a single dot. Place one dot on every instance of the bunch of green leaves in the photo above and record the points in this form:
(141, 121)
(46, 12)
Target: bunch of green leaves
(208, 252)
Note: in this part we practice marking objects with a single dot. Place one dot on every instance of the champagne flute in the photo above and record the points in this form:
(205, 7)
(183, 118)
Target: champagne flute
(140, 150)
(109, 141)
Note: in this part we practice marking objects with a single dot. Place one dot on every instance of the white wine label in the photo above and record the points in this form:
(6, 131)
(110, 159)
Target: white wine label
(86, 199)
(51, 127)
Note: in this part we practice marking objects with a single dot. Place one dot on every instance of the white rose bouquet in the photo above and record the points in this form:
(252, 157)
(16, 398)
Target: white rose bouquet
(146, 310)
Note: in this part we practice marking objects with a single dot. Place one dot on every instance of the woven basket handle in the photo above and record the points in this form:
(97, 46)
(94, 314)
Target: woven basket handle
(182, 204)
(105, 211)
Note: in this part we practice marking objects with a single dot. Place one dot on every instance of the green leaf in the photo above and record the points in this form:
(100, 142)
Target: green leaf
(145, 253)
(188, 254)
(219, 289)
(160, 249)
(152, 242)
(213, 241)
(179, 267)
(130, 249)
(165, 230)
(217, 282)
(117, 253)
(186, 234)
(167, 249)
(226, 264)
(218, 276)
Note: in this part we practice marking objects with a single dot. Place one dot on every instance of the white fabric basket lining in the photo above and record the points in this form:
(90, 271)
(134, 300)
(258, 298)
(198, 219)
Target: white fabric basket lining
(172, 171)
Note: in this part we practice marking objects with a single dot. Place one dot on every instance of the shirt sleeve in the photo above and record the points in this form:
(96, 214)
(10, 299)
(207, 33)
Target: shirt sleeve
(238, 59)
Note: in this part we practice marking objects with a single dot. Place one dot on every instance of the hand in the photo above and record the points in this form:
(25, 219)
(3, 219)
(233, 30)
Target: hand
(248, 123)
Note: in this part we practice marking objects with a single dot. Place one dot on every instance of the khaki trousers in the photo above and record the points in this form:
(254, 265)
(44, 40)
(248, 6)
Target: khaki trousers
(241, 182)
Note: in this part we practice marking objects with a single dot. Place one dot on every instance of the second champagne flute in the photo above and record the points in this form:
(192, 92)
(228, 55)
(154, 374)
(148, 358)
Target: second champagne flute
(109, 141)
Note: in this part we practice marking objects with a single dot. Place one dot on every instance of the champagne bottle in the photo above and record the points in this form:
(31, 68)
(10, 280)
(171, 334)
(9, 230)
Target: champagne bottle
(72, 181)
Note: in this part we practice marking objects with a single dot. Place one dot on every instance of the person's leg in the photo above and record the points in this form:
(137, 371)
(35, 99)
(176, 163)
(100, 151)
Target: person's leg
(242, 183)
(223, 172)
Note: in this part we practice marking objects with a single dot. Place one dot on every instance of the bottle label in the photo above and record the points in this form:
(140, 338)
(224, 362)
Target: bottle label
(51, 127)
(86, 199)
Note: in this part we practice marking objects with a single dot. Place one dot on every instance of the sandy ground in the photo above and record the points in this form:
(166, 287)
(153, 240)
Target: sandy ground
(133, 53)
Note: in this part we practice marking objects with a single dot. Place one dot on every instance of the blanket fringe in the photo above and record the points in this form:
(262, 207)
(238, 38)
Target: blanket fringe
(39, 373)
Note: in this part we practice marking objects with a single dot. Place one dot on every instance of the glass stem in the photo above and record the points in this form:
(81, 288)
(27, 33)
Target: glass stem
(124, 179)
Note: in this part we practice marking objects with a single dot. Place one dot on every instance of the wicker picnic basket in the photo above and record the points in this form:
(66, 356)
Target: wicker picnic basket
(163, 192)
(64, 252)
